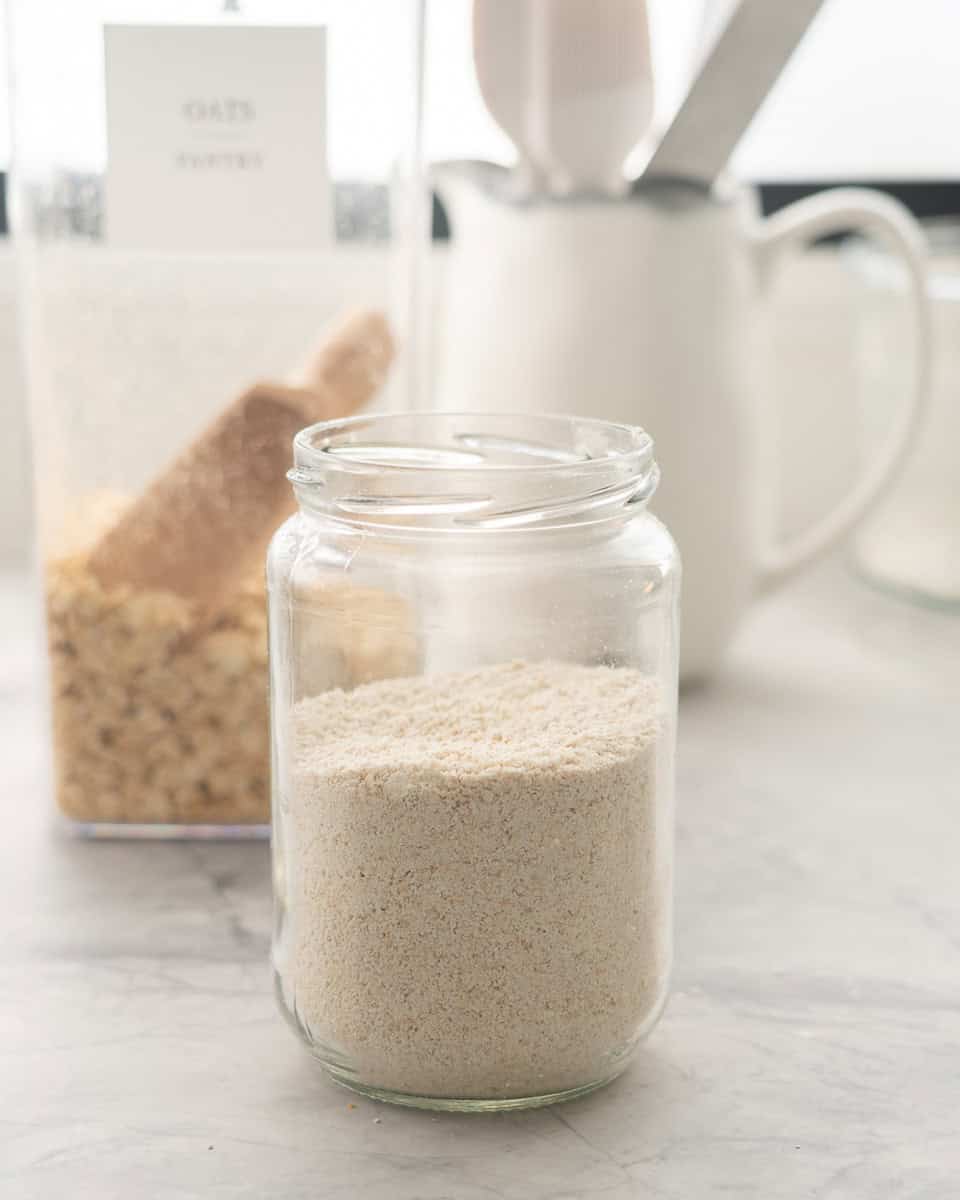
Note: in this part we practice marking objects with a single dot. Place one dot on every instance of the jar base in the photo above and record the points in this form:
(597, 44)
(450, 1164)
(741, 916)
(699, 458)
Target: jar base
(466, 1105)
(161, 832)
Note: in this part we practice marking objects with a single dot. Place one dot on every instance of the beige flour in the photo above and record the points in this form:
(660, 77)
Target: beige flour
(477, 875)
(160, 708)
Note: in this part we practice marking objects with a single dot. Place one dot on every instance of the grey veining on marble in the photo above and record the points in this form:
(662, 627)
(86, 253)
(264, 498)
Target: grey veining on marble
(811, 1047)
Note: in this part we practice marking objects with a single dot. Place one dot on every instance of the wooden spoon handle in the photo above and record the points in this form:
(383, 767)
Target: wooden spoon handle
(205, 521)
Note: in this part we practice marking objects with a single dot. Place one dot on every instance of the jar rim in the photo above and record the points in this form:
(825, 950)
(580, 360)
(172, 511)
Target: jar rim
(472, 469)
(320, 438)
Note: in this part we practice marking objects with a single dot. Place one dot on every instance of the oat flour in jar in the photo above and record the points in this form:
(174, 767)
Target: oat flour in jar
(475, 870)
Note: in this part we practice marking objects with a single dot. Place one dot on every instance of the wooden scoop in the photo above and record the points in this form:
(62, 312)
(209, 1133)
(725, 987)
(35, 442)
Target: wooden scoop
(205, 522)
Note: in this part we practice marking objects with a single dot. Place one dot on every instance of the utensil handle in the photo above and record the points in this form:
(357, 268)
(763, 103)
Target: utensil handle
(837, 211)
(733, 81)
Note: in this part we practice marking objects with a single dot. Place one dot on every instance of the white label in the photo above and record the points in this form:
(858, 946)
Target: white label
(216, 138)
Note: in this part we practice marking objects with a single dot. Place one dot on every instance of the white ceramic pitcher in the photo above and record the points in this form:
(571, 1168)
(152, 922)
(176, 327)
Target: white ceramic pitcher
(648, 310)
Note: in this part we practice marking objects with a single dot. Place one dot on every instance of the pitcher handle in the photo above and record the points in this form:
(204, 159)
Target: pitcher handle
(873, 213)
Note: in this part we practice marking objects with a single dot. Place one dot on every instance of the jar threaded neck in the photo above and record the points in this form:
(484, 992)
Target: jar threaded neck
(470, 471)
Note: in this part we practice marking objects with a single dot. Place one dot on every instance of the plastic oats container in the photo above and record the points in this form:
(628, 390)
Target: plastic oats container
(473, 671)
(214, 213)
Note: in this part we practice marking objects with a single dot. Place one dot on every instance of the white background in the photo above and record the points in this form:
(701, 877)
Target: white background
(874, 89)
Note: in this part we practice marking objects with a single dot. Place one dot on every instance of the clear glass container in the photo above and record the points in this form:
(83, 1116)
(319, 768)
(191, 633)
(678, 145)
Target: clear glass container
(201, 189)
(473, 624)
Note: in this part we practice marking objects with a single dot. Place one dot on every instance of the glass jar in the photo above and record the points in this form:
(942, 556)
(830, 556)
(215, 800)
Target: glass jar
(473, 680)
(202, 191)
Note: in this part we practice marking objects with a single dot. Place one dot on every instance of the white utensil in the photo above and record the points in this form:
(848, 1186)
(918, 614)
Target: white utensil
(592, 90)
(734, 80)
(570, 81)
(502, 38)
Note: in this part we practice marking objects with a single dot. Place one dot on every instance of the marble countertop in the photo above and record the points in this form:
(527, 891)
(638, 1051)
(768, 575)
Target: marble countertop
(811, 1047)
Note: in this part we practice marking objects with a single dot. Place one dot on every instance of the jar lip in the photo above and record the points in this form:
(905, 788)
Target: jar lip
(314, 445)
(473, 470)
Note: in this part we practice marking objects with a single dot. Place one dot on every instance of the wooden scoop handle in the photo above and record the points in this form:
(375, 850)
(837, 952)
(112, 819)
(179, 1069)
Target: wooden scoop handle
(205, 522)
